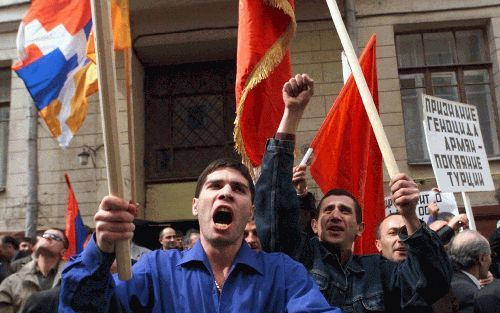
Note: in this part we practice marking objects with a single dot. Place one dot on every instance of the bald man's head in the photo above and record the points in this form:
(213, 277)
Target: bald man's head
(469, 251)
(168, 238)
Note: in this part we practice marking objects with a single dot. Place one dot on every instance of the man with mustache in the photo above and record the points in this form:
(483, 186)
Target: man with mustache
(355, 283)
(220, 273)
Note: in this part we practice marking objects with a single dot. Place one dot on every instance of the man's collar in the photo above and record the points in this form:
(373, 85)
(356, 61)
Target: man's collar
(473, 278)
(52, 271)
(354, 266)
(245, 256)
(333, 253)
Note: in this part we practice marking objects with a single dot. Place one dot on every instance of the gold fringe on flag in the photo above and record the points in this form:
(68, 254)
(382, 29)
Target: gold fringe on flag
(261, 71)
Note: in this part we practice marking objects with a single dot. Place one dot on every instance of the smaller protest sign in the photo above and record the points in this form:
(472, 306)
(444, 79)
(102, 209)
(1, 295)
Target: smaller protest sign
(445, 201)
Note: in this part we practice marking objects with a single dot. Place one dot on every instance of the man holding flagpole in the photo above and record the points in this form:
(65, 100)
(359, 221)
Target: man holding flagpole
(355, 283)
(220, 273)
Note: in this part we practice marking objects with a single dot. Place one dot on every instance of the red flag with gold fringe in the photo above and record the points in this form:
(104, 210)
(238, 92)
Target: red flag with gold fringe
(265, 30)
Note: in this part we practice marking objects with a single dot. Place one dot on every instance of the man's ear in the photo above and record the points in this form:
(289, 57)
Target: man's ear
(314, 225)
(62, 253)
(194, 208)
(378, 245)
(361, 229)
(483, 258)
(252, 216)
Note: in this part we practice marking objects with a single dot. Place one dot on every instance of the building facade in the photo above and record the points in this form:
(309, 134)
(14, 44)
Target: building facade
(182, 110)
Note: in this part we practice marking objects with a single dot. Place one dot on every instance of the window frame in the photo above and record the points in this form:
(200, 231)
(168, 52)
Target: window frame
(224, 144)
(459, 69)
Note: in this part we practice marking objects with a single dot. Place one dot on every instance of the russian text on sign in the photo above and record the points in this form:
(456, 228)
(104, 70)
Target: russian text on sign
(455, 145)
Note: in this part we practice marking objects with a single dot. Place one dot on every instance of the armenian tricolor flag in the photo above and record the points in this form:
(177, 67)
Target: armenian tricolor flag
(75, 229)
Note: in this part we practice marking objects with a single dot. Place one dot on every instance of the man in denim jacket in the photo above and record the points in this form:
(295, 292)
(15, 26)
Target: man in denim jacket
(355, 283)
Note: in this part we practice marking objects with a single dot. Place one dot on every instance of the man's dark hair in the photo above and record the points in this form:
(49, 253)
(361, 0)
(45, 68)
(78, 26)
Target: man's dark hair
(27, 239)
(64, 238)
(445, 216)
(186, 240)
(467, 252)
(342, 192)
(9, 240)
(220, 164)
(192, 231)
(377, 230)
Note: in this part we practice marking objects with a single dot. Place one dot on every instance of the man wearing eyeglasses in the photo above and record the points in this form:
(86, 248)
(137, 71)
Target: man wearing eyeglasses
(42, 273)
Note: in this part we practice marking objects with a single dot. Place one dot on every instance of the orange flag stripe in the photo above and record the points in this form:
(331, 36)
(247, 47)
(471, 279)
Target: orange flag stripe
(121, 29)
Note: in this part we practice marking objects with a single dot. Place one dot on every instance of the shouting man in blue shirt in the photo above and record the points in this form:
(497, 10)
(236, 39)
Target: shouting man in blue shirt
(219, 274)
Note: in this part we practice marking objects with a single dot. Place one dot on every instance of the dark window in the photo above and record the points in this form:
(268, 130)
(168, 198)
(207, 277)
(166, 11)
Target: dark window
(190, 111)
(453, 64)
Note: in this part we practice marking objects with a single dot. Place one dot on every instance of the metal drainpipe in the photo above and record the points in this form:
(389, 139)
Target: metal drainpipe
(350, 23)
(32, 199)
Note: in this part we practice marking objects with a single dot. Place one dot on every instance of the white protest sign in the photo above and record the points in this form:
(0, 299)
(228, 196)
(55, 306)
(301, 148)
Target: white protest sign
(456, 146)
(445, 201)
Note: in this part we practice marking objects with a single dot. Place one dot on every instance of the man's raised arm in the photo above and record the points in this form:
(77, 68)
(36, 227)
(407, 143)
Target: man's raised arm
(276, 205)
(425, 275)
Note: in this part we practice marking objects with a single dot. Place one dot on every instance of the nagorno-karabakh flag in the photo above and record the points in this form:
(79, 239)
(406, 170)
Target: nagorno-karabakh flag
(53, 63)
(75, 229)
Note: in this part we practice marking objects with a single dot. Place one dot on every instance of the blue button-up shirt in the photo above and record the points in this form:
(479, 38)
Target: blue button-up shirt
(182, 281)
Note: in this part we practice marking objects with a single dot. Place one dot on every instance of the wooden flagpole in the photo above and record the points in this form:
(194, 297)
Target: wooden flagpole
(101, 18)
(383, 143)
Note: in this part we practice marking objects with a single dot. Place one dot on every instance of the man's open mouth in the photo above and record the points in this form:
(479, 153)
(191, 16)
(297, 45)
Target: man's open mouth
(222, 219)
(335, 228)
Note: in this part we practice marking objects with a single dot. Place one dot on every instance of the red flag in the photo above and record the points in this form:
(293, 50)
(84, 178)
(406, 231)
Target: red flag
(346, 152)
(75, 230)
(265, 30)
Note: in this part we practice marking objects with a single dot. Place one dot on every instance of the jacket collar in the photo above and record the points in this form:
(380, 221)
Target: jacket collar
(352, 264)
(472, 278)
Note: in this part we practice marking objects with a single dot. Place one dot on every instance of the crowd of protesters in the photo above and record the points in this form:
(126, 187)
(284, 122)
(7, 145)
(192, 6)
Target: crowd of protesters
(267, 247)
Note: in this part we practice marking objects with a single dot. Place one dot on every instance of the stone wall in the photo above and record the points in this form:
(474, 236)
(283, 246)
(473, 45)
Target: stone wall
(315, 50)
